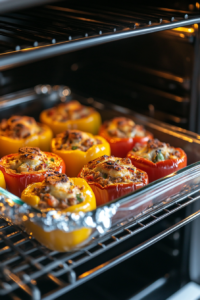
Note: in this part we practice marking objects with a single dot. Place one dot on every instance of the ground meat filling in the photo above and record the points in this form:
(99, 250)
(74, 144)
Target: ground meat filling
(108, 170)
(18, 127)
(156, 151)
(29, 159)
(124, 128)
(69, 111)
(75, 140)
(59, 192)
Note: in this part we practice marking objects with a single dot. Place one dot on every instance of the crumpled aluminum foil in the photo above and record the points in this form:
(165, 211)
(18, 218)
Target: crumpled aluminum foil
(99, 219)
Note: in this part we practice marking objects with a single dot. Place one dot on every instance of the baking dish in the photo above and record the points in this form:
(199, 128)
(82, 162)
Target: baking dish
(134, 205)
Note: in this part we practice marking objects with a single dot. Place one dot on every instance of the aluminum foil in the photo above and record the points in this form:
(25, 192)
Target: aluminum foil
(17, 212)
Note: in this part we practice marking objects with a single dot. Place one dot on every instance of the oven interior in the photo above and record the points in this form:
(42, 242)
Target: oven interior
(154, 74)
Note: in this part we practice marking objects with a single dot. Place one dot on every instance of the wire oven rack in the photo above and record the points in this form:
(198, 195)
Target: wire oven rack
(30, 271)
(15, 5)
(30, 35)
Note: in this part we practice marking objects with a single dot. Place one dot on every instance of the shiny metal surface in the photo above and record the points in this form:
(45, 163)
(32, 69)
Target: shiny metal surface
(32, 35)
(8, 5)
(10, 60)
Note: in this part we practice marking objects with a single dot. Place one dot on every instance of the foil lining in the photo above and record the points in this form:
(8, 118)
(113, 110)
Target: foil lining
(99, 219)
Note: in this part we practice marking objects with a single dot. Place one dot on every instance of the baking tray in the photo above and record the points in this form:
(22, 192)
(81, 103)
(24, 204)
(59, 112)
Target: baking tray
(139, 203)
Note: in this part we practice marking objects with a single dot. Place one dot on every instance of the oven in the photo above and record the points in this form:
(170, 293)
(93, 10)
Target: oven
(123, 59)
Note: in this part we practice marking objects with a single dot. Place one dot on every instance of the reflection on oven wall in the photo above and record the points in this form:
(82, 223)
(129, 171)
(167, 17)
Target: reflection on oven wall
(151, 74)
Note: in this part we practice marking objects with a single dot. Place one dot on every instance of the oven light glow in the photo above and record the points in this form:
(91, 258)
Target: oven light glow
(184, 29)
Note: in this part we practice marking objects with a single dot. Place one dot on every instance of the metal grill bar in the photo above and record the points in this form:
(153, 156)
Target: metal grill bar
(52, 30)
(25, 264)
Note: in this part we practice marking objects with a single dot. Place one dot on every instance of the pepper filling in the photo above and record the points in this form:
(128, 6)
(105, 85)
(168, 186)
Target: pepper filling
(75, 140)
(29, 159)
(124, 128)
(156, 151)
(19, 127)
(58, 191)
(107, 170)
(69, 111)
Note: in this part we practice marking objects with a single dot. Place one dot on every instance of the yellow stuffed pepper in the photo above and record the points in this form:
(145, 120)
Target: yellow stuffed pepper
(71, 115)
(77, 148)
(2, 181)
(58, 192)
(20, 131)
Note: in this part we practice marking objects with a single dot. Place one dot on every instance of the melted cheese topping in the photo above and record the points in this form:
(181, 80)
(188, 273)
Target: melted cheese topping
(58, 191)
(107, 170)
(156, 151)
(29, 159)
(19, 127)
(75, 140)
(124, 128)
(69, 111)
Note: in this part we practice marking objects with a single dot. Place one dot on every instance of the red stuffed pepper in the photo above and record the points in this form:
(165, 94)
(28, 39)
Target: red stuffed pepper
(157, 159)
(27, 166)
(112, 177)
(122, 134)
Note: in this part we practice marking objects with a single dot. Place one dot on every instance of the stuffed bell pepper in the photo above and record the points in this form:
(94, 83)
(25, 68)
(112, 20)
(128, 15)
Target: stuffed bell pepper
(157, 159)
(20, 131)
(58, 192)
(77, 148)
(112, 177)
(2, 181)
(71, 115)
(122, 134)
(27, 166)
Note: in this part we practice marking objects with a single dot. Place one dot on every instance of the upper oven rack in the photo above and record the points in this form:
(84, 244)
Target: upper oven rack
(30, 35)
(19, 4)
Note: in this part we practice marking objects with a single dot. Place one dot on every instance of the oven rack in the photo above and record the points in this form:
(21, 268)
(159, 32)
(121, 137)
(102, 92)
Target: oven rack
(29, 270)
(43, 32)
(19, 4)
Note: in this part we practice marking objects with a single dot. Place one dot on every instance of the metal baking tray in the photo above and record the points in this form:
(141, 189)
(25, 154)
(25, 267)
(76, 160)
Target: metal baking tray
(134, 206)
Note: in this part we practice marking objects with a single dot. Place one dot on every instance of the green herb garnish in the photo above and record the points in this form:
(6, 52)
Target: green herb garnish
(134, 149)
(74, 147)
(159, 157)
(79, 198)
(52, 159)
(104, 175)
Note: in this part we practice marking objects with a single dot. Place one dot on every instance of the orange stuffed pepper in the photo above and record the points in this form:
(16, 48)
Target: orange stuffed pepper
(19, 131)
(122, 134)
(58, 192)
(71, 115)
(77, 148)
(27, 166)
(112, 177)
(157, 159)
